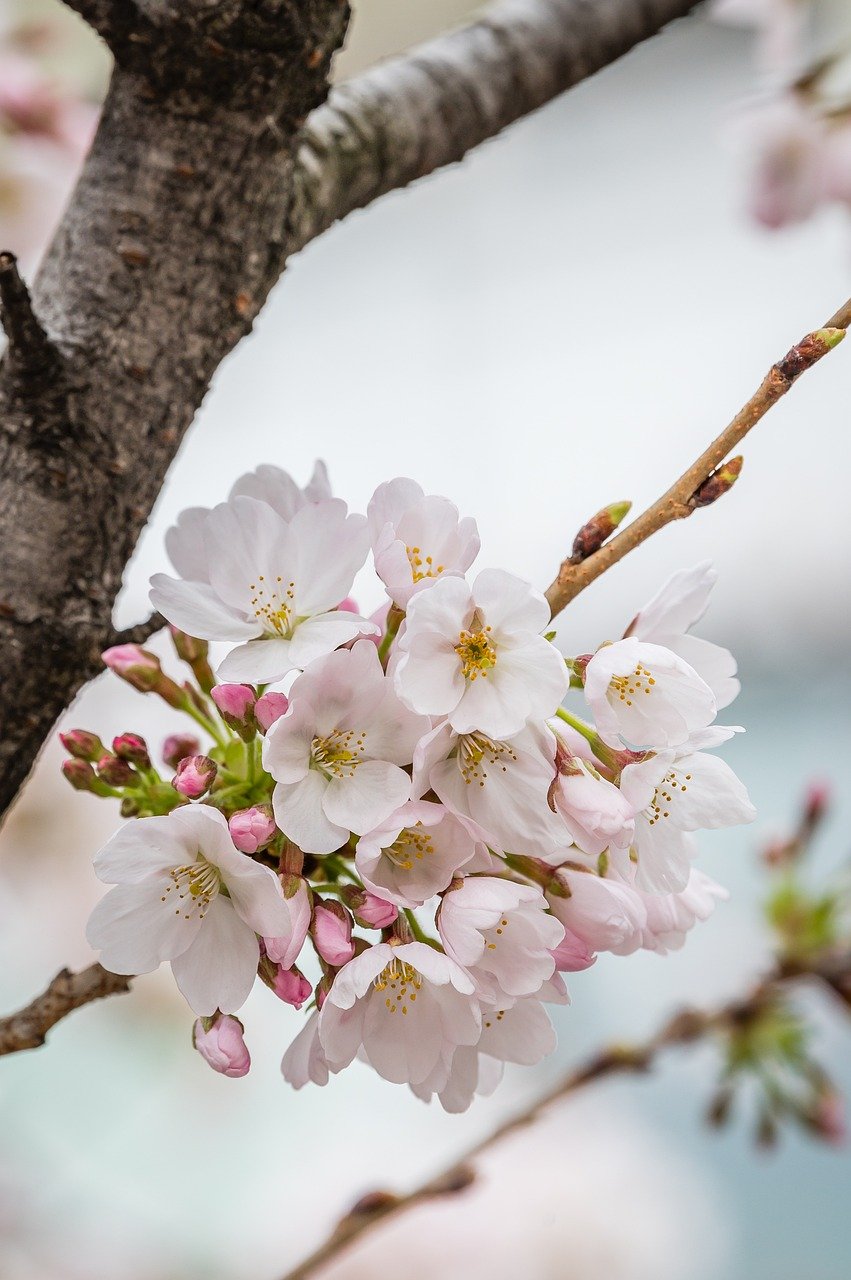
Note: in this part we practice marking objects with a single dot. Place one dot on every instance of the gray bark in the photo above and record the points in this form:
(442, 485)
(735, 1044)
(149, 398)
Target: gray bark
(201, 181)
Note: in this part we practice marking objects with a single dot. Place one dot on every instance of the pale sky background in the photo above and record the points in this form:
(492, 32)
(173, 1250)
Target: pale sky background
(563, 320)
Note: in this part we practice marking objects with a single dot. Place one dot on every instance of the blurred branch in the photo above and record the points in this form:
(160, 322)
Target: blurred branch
(138, 633)
(693, 489)
(683, 1028)
(28, 1028)
(411, 115)
(103, 15)
(31, 353)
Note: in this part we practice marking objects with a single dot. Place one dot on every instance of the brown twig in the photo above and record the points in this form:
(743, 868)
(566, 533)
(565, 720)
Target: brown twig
(138, 633)
(28, 1028)
(680, 501)
(683, 1028)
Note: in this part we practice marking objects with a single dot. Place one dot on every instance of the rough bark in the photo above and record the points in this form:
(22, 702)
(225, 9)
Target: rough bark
(184, 216)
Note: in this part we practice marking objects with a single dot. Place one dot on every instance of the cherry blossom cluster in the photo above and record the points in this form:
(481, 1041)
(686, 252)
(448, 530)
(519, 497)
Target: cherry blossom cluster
(395, 821)
(798, 130)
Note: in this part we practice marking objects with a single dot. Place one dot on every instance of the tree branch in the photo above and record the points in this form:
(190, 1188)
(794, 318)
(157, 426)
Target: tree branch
(683, 1028)
(28, 1028)
(417, 113)
(688, 493)
(138, 633)
(103, 15)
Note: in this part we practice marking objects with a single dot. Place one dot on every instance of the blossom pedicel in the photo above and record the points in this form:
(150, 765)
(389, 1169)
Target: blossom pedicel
(415, 817)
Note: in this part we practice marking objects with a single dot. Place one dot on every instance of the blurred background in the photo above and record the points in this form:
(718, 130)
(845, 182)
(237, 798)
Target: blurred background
(562, 321)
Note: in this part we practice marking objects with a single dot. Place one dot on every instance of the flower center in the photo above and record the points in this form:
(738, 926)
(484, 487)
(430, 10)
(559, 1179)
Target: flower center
(476, 751)
(273, 605)
(627, 687)
(671, 785)
(195, 885)
(339, 754)
(475, 650)
(422, 566)
(410, 846)
(402, 982)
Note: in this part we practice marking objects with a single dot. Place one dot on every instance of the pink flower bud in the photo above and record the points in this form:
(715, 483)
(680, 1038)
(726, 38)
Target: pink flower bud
(572, 954)
(80, 774)
(130, 747)
(135, 665)
(118, 773)
(371, 910)
(332, 933)
(292, 987)
(189, 648)
(235, 703)
(252, 829)
(195, 775)
(82, 745)
(178, 746)
(222, 1045)
(270, 708)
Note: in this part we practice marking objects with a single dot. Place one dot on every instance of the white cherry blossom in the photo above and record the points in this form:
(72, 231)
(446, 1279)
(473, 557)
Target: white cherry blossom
(645, 696)
(596, 813)
(304, 1062)
(184, 893)
(667, 619)
(606, 913)
(404, 1008)
(501, 784)
(270, 583)
(476, 655)
(673, 794)
(337, 753)
(417, 538)
(670, 916)
(501, 933)
(415, 853)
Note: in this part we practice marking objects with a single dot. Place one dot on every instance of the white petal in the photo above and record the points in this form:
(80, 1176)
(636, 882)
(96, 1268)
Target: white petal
(258, 662)
(332, 546)
(677, 606)
(319, 635)
(186, 545)
(510, 603)
(135, 930)
(194, 607)
(361, 802)
(142, 847)
(218, 970)
(250, 548)
(299, 814)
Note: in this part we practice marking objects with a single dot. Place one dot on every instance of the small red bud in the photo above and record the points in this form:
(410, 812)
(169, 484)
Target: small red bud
(82, 745)
(130, 747)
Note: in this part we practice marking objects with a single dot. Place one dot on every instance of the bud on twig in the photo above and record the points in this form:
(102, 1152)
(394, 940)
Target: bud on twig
(252, 829)
(195, 775)
(270, 708)
(178, 746)
(332, 933)
(82, 745)
(130, 747)
(194, 652)
(118, 773)
(235, 704)
(600, 527)
(720, 482)
(369, 910)
(141, 669)
(82, 777)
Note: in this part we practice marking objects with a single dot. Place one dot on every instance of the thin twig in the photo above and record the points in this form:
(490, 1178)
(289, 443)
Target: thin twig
(138, 633)
(28, 1028)
(679, 501)
(683, 1028)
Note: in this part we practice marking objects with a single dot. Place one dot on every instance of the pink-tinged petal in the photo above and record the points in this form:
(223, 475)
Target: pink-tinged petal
(664, 857)
(135, 927)
(273, 486)
(677, 605)
(194, 607)
(524, 1034)
(299, 813)
(218, 970)
(362, 801)
(332, 546)
(250, 549)
(258, 662)
(708, 794)
(304, 1061)
(257, 895)
(286, 750)
(389, 503)
(445, 609)
(428, 676)
(712, 662)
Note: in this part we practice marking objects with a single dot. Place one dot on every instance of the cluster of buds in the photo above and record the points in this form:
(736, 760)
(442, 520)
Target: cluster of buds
(394, 821)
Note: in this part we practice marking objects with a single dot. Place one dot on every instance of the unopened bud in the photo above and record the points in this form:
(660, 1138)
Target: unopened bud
(141, 669)
(130, 807)
(600, 527)
(195, 775)
(220, 1042)
(332, 933)
(719, 483)
(178, 746)
(370, 910)
(235, 703)
(130, 747)
(252, 829)
(816, 804)
(82, 745)
(289, 985)
(270, 708)
(82, 777)
(118, 773)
